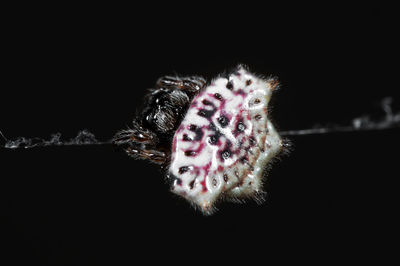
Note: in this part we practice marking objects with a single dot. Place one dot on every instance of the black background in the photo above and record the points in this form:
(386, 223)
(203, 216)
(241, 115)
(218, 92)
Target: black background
(334, 198)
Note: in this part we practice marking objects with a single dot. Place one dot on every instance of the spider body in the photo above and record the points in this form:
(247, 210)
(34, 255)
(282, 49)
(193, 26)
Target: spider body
(213, 142)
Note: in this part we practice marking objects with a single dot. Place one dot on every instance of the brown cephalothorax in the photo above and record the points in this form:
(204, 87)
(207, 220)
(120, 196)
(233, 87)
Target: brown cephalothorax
(152, 130)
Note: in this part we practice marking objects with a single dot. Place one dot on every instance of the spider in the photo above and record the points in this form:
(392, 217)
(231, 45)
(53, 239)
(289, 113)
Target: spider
(212, 140)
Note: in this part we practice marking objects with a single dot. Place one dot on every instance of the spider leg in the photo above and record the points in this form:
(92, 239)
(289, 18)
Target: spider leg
(192, 84)
(141, 143)
(136, 134)
(142, 152)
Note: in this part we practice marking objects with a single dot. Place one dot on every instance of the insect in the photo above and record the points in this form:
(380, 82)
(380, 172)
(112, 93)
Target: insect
(212, 140)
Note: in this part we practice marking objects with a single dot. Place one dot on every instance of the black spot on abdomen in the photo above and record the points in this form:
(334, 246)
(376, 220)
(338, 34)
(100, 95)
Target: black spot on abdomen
(223, 121)
(206, 102)
(229, 85)
(213, 139)
(172, 179)
(218, 96)
(240, 127)
(206, 113)
(190, 153)
(183, 169)
(225, 154)
(186, 137)
(199, 134)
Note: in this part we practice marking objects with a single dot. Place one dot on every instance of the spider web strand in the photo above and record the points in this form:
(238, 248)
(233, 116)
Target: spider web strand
(363, 123)
(85, 138)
